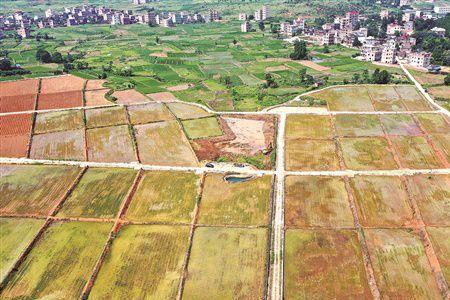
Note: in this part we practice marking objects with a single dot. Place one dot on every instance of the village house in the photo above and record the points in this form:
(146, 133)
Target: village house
(246, 26)
(420, 59)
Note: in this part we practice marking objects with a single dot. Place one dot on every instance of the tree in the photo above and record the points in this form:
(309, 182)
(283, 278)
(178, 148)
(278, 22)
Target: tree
(356, 42)
(157, 39)
(234, 42)
(5, 64)
(43, 56)
(57, 58)
(356, 78)
(300, 51)
(326, 49)
(270, 81)
(302, 74)
(261, 26)
(447, 79)
(383, 77)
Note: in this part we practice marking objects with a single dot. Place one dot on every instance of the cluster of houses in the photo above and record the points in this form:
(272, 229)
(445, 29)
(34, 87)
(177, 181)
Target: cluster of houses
(90, 14)
(345, 30)
(259, 15)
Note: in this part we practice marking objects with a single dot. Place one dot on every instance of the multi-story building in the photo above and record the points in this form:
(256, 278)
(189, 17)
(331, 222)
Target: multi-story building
(214, 15)
(353, 17)
(393, 28)
(262, 14)
(300, 23)
(23, 32)
(166, 22)
(388, 55)
(49, 13)
(246, 26)
(442, 9)
(420, 59)
(328, 38)
(404, 3)
(384, 14)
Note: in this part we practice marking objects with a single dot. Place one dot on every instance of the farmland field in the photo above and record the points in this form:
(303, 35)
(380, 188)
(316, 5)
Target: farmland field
(367, 153)
(58, 121)
(358, 125)
(324, 264)
(346, 98)
(165, 197)
(185, 111)
(308, 126)
(400, 125)
(33, 190)
(202, 128)
(60, 263)
(434, 123)
(307, 207)
(164, 143)
(60, 100)
(311, 155)
(110, 144)
(415, 152)
(400, 264)
(148, 113)
(440, 237)
(15, 235)
(93, 197)
(227, 263)
(144, 262)
(96, 98)
(239, 203)
(375, 204)
(108, 116)
(60, 145)
(17, 103)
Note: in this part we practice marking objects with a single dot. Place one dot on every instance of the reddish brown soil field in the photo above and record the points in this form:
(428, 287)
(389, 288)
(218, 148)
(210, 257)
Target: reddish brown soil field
(162, 96)
(225, 145)
(14, 145)
(96, 98)
(95, 85)
(15, 124)
(61, 84)
(60, 100)
(20, 87)
(17, 103)
(130, 96)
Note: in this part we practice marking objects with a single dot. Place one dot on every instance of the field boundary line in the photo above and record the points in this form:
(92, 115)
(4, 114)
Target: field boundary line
(112, 235)
(187, 257)
(30, 140)
(132, 132)
(48, 221)
(432, 258)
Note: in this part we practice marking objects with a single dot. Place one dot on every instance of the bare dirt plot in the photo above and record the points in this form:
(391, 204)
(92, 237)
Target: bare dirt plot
(440, 238)
(129, 97)
(108, 116)
(17, 103)
(158, 54)
(166, 197)
(227, 263)
(96, 98)
(110, 144)
(164, 143)
(276, 68)
(427, 78)
(311, 155)
(432, 195)
(412, 99)
(400, 265)
(202, 128)
(61, 145)
(33, 189)
(414, 152)
(60, 100)
(99, 193)
(307, 205)
(400, 125)
(185, 111)
(61, 84)
(313, 65)
(15, 234)
(381, 201)
(442, 142)
(58, 121)
(14, 145)
(324, 264)
(355, 98)
(244, 138)
(434, 123)
(162, 96)
(238, 203)
(145, 262)
(358, 125)
(308, 126)
(96, 84)
(15, 124)
(19, 87)
(367, 154)
(60, 263)
(177, 88)
(148, 113)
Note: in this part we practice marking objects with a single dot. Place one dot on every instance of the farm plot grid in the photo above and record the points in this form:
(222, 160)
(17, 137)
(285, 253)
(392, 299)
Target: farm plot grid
(376, 192)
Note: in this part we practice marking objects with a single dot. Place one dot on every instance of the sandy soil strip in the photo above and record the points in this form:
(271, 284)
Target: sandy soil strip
(313, 65)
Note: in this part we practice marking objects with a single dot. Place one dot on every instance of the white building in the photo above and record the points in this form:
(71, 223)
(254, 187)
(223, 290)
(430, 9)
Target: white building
(242, 17)
(262, 14)
(388, 55)
(49, 13)
(439, 31)
(328, 38)
(384, 14)
(246, 26)
(167, 22)
(420, 59)
(442, 9)
(393, 28)
(405, 2)
(300, 23)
